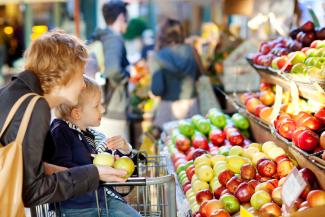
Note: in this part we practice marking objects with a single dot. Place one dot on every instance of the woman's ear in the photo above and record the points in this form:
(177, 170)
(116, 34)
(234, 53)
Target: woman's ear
(76, 114)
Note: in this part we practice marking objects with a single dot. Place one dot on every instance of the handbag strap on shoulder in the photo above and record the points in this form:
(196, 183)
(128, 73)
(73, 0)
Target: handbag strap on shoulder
(13, 111)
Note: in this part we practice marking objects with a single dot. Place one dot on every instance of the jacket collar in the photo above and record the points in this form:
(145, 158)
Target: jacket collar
(30, 80)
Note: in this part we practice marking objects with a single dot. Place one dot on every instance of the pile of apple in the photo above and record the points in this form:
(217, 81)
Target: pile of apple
(216, 185)
(301, 38)
(308, 62)
(303, 129)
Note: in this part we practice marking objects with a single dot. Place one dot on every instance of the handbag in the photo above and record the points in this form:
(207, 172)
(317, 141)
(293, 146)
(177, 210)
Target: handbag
(11, 162)
(206, 96)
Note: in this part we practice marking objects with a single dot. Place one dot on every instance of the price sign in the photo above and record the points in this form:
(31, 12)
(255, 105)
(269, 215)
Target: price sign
(292, 187)
(245, 212)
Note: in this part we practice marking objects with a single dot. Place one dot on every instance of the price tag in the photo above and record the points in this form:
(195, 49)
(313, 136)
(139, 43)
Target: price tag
(292, 187)
(245, 212)
(277, 103)
(294, 97)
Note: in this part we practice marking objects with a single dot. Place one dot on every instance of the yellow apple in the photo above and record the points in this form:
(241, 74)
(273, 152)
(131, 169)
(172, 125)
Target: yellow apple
(205, 173)
(234, 163)
(125, 163)
(104, 159)
(219, 167)
(257, 156)
(199, 185)
(268, 145)
(216, 158)
(203, 159)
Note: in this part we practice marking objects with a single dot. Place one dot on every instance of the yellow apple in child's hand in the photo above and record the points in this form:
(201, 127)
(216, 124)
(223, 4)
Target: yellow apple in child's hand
(125, 163)
(104, 159)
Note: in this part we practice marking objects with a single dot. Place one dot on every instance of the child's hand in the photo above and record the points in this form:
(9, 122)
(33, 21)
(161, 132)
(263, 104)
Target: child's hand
(49, 169)
(118, 142)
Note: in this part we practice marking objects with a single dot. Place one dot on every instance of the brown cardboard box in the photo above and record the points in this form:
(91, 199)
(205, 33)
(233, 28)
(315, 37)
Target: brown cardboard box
(239, 7)
(312, 212)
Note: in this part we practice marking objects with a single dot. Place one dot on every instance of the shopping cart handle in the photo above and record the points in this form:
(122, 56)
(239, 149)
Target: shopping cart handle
(133, 181)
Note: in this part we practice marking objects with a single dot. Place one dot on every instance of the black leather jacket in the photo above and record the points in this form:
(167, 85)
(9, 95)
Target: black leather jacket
(37, 187)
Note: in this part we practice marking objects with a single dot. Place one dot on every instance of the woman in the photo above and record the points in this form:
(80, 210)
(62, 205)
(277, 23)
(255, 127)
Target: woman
(54, 66)
(175, 72)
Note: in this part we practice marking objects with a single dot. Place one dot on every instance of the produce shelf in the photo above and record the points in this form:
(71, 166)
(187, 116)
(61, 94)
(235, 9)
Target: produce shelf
(307, 90)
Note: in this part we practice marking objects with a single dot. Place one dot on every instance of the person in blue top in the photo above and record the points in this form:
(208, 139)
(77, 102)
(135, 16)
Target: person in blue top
(175, 72)
(75, 142)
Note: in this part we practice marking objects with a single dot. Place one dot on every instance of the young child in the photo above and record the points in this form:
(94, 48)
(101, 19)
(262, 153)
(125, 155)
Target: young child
(74, 143)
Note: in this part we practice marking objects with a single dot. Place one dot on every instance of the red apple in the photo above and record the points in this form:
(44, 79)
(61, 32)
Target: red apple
(247, 171)
(251, 105)
(245, 97)
(280, 158)
(220, 213)
(311, 122)
(258, 109)
(270, 209)
(307, 140)
(265, 186)
(266, 168)
(274, 182)
(217, 192)
(282, 117)
(217, 137)
(316, 198)
(187, 187)
(244, 192)
(253, 183)
(296, 134)
(267, 97)
(212, 206)
(200, 141)
(321, 115)
(284, 167)
(225, 176)
(198, 152)
(265, 86)
(233, 183)
(309, 177)
(203, 195)
(265, 48)
(225, 192)
(197, 214)
(286, 128)
(183, 144)
(190, 171)
(202, 210)
(308, 27)
(301, 115)
(189, 154)
(322, 140)
(304, 204)
(235, 138)
(305, 192)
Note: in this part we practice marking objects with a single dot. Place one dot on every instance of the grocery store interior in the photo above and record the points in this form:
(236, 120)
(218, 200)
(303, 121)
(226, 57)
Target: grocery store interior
(203, 108)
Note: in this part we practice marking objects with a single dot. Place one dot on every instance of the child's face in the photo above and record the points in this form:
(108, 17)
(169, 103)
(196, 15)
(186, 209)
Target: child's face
(91, 112)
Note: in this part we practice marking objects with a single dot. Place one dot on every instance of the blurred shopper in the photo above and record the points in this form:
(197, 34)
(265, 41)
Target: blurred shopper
(116, 67)
(175, 72)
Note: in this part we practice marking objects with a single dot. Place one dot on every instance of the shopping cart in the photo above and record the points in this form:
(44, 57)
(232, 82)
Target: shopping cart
(153, 193)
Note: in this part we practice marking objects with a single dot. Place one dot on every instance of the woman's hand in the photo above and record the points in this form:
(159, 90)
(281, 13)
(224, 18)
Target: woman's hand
(49, 169)
(109, 174)
(118, 142)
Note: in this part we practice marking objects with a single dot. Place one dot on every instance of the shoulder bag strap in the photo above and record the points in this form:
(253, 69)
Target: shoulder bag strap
(24, 123)
(13, 111)
(198, 62)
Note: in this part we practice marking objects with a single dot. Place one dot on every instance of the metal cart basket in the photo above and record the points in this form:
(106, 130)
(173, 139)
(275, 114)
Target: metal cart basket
(152, 194)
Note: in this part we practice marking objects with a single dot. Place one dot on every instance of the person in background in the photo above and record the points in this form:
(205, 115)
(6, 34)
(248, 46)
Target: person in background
(175, 72)
(75, 141)
(116, 69)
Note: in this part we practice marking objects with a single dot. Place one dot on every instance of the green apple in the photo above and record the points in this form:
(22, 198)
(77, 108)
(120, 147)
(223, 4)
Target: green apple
(311, 61)
(236, 150)
(298, 68)
(217, 118)
(299, 57)
(180, 168)
(196, 118)
(260, 198)
(189, 163)
(316, 72)
(311, 52)
(203, 126)
(230, 203)
(320, 52)
(104, 159)
(125, 163)
(240, 121)
(320, 62)
(186, 128)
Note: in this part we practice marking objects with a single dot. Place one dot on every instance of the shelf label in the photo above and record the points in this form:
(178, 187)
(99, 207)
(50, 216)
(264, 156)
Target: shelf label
(277, 103)
(292, 187)
(294, 97)
(244, 212)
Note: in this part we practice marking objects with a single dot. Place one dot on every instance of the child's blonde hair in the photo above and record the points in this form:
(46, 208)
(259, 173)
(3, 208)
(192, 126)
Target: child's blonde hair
(91, 90)
(55, 57)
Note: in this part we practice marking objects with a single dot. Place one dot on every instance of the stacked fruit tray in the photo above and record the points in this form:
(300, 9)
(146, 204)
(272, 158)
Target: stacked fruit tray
(221, 172)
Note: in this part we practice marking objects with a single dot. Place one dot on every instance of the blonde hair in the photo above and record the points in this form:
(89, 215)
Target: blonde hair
(55, 57)
(91, 90)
